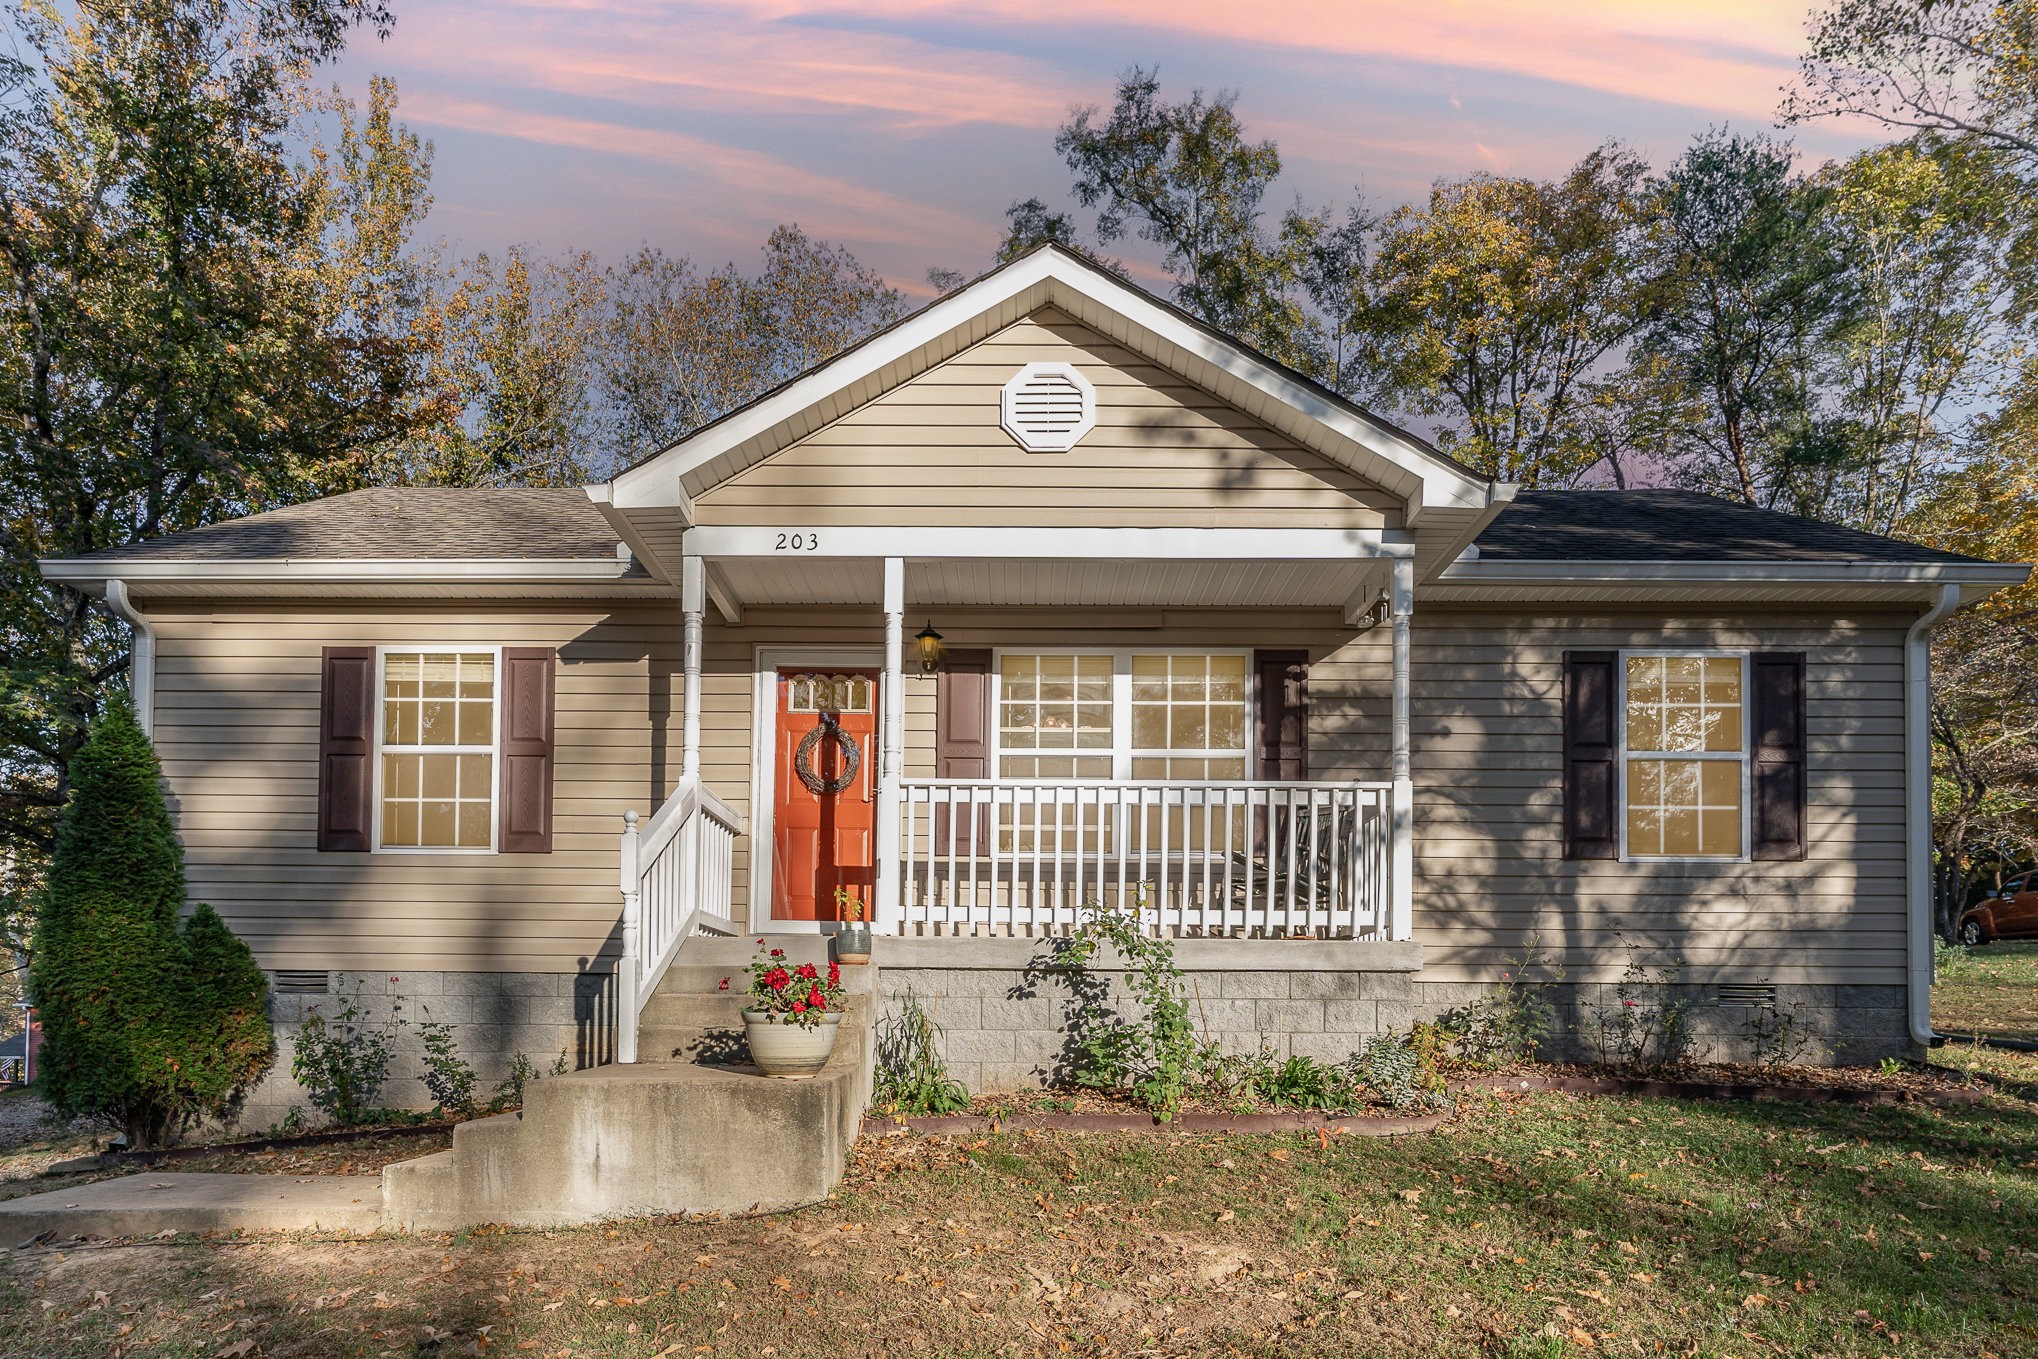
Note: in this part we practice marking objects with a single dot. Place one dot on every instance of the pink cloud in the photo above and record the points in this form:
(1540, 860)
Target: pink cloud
(768, 189)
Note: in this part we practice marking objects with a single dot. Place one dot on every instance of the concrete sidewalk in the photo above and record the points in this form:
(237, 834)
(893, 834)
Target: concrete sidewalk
(150, 1203)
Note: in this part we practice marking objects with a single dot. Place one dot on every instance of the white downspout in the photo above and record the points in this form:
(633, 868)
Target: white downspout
(141, 664)
(887, 911)
(1918, 806)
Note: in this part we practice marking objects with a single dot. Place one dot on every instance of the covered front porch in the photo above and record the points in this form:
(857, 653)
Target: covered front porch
(999, 846)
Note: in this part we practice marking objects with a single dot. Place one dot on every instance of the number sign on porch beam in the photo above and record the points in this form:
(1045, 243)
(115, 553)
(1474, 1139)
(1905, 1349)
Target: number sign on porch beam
(1101, 544)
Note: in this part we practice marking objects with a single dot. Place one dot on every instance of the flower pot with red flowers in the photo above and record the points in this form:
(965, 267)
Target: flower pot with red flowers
(792, 1014)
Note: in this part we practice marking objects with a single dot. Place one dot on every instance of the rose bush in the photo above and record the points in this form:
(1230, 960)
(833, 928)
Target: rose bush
(802, 994)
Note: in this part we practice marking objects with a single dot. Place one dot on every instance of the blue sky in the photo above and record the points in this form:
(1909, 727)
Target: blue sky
(902, 128)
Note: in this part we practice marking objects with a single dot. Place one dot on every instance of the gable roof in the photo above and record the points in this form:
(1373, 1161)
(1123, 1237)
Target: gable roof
(1050, 275)
(1678, 526)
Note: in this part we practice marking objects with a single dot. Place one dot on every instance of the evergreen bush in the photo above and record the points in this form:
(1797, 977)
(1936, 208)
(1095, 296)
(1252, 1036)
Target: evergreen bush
(150, 1024)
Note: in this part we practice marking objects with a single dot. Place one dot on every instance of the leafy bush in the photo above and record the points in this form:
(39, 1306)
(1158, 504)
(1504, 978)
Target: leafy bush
(1153, 1056)
(150, 1024)
(509, 1091)
(1949, 960)
(449, 1077)
(342, 1063)
(1779, 1034)
(911, 1077)
(1647, 1023)
(1508, 1024)
(1404, 1069)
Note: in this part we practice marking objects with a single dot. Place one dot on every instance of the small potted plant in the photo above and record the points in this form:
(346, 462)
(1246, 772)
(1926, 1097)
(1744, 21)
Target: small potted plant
(852, 941)
(792, 1013)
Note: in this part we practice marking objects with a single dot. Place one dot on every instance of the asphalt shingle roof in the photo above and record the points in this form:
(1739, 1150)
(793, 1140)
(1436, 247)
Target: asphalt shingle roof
(402, 523)
(1677, 526)
(424, 523)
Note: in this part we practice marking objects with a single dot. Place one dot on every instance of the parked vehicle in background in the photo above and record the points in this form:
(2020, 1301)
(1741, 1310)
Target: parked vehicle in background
(2011, 913)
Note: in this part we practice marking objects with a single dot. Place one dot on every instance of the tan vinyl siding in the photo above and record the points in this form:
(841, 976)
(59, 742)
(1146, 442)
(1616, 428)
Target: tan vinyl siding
(1487, 761)
(237, 708)
(1163, 454)
(237, 725)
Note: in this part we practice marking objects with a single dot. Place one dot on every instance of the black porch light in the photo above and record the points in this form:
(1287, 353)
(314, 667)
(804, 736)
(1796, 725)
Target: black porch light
(930, 648)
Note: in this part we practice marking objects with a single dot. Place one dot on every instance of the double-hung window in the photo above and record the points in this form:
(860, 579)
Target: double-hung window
(1684, 755)
(436, 765)
(1172, 715)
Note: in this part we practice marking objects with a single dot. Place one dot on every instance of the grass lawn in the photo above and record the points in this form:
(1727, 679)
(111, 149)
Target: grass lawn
(1541, 1225)
(1990, 990)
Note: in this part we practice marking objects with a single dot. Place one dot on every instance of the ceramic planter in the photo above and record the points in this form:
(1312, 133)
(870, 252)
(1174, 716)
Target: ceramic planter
(782, 1048)
(852, 944)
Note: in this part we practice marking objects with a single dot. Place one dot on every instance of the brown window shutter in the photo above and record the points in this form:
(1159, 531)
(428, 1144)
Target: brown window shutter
(346, 749)
(1281, 714)
(1778, 780)
(1591, 755)
(962, 737)
(525, 818)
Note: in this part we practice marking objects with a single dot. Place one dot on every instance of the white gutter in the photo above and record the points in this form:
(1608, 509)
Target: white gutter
(1918, 806)
(1487, 570)
(141, 662)
(369, 570)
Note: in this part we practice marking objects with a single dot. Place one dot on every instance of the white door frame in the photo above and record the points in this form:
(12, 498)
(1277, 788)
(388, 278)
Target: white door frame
(764, 766)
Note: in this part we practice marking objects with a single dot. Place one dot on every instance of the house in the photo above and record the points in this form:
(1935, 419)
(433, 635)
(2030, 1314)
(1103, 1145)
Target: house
(1050, 596)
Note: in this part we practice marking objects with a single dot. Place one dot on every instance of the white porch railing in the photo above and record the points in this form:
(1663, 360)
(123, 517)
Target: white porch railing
(677, 881)
(1245, 860)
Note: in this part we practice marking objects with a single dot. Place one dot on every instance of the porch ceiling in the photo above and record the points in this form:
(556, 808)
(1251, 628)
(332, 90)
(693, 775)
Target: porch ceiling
(765, 581)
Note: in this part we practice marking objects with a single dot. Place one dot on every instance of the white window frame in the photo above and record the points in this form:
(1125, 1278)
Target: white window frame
(382, 654)
(1121, 750)
(1746, 755)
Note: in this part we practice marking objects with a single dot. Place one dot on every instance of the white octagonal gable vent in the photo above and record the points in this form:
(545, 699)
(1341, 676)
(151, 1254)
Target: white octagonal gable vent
(1048, 407)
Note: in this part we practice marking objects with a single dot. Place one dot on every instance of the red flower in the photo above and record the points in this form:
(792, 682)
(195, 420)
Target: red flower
(799, 1007)
(760, 943)
(777, 978)
(778, 953)
(807, 972)
(834, 974)
(724, 986)
(815, 999)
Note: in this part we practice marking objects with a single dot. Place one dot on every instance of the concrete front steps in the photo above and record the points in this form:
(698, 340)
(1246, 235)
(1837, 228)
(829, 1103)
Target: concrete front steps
(668, 1134)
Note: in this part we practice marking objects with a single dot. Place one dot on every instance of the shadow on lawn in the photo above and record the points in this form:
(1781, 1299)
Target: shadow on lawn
(1854, 1200)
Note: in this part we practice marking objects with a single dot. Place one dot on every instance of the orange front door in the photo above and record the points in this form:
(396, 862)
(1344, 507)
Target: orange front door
(827, 796)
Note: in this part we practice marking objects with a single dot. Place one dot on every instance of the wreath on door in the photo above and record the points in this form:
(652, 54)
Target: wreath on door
(803, 758)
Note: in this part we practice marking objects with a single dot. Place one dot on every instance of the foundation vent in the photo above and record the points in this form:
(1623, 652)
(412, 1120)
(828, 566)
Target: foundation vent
(1048, 407)
(1746, 993)
(299, 982)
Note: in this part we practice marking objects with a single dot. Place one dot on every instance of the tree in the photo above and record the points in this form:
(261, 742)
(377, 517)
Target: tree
(1752, 284)
(148, 1025)
(1958, 68)
(1493, 304)
(1183, 177)
(1926, 226)
(192, 322)
(682, 348)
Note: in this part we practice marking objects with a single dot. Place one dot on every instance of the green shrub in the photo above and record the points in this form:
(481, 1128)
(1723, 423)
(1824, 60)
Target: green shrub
(150, 1024)
(911, 1078)
(1154, 1056)
(1508, 1024)
(449, 1077)
(1403, 1069)
(342, 1062)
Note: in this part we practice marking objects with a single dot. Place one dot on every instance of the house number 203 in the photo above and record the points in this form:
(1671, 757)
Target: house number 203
(799, 542)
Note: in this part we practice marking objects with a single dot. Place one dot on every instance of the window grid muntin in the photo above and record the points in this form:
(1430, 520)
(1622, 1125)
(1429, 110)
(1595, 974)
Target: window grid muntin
(1021, 762)
(462, 752)
(1737, 757)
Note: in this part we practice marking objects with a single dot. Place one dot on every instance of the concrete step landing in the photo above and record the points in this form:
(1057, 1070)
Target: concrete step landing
(149, 1203)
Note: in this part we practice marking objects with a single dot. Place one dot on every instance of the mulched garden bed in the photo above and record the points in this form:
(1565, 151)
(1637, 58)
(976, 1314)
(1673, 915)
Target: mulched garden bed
(341, 1151)
(1732, 1081)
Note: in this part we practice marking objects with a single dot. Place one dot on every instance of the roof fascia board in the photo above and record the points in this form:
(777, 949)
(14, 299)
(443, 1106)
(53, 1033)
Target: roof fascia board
(1486, 571)
(378, 571)
(1074, 287)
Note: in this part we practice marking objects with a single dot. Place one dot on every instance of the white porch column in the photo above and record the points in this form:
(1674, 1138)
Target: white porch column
(692, 597)
(1401, 898)
(886, 911)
